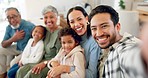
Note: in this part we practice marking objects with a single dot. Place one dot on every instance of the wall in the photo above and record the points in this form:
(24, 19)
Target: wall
(31, 9)
(115, 3)
(129, 21)
(108, 2)
(64, 5)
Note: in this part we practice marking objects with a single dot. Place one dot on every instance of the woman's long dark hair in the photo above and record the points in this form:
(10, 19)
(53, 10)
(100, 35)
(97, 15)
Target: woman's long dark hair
(84, 13)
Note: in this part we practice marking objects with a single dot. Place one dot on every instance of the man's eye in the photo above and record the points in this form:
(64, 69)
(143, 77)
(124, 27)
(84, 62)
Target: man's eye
(93, 28)
(104, 26)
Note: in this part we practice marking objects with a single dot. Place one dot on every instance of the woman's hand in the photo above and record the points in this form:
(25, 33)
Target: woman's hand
(54, 77)
(56, 71)
(37, 68)
(20, 63)
(55, 63)
(48, 75)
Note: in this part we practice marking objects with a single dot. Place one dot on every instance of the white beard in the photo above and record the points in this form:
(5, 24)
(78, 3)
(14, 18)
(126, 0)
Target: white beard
(15, 27)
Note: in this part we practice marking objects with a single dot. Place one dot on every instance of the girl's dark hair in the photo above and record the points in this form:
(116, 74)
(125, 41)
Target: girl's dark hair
(84, 13)
(44, 28)
(69, 31)
(105, 9)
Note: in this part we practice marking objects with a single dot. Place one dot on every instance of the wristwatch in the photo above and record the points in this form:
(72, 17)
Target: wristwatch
(45, 62)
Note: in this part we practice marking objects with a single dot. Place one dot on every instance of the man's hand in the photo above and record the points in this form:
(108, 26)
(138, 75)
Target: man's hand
(18, 35)
(144, 46)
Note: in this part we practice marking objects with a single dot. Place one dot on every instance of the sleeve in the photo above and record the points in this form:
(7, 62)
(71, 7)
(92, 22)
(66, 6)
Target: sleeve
(7, 35)
(132, 64)
(79, 71)
(26, 51)
(56, 58)
(91, 70)
(36, 56)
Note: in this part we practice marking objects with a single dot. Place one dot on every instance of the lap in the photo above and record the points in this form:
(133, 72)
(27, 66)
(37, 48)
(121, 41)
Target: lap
(22, 71)
(13, 70)
(15, 60)
(9, 50)
(42, 74)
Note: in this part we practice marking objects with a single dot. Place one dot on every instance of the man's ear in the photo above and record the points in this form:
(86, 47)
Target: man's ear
(118, 27)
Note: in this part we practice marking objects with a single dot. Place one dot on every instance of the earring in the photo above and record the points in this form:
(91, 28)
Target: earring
(88, 23)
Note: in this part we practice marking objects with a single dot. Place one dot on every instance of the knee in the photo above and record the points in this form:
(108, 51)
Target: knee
(18, 73)
(3, 51)
(10, 74)
(15, 60)
(12, 63)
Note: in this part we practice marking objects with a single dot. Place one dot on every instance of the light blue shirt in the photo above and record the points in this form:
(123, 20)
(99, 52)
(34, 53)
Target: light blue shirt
(92, 54)
(24, 25)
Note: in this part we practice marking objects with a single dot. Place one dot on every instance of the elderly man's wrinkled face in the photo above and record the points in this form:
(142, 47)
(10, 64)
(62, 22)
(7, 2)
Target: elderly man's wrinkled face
(13, 17)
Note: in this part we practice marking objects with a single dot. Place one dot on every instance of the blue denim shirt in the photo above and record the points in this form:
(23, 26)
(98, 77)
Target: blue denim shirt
(24, 25)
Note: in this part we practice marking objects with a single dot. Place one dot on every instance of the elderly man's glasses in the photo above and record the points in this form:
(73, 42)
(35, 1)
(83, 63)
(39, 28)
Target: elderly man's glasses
(12, 17)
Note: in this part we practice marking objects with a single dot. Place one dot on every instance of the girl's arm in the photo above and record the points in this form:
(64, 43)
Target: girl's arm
(64, 70)
(36, 55)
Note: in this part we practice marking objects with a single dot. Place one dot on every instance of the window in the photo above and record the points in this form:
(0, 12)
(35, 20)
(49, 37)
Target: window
(3, 23)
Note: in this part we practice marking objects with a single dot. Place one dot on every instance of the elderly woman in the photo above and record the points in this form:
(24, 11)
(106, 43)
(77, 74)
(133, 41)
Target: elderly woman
(52, 46)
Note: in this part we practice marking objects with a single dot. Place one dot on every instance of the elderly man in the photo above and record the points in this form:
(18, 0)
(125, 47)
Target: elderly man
(18, 31)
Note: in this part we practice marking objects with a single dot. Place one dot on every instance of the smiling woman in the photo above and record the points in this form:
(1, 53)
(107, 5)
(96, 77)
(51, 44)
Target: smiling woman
(77, 19)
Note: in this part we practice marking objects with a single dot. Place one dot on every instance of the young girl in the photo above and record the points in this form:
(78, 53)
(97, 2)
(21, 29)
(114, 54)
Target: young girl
(33, 51)
(70, 54)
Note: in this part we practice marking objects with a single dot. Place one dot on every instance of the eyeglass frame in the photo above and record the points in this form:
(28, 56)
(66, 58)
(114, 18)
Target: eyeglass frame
(12, 17)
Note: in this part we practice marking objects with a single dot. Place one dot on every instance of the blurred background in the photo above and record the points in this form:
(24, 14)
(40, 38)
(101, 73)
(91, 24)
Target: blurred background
(131, 16)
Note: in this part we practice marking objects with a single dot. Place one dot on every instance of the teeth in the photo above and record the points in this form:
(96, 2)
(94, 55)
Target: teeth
(79, 28)
(102, 39)
(49, 23)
